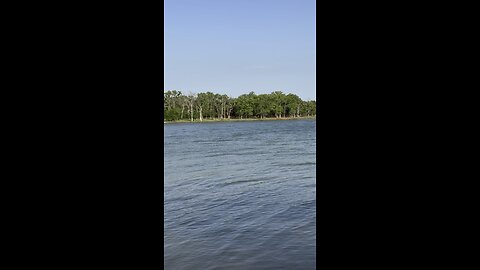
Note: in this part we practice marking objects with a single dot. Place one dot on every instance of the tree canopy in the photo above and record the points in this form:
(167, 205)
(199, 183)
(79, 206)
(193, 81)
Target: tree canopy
(208, 105)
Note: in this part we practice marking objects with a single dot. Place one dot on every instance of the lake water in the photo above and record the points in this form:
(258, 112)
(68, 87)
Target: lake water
(240, 195)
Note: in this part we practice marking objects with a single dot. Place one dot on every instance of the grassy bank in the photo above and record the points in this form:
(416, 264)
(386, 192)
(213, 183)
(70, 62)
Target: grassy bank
(239, 120)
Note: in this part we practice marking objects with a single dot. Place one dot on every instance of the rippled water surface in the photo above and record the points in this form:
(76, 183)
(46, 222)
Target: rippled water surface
(240, 195)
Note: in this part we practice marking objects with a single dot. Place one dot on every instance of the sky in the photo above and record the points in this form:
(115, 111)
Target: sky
(236, 46)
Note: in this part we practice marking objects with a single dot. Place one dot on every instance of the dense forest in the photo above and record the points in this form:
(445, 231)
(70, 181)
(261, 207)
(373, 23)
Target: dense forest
(201, 106)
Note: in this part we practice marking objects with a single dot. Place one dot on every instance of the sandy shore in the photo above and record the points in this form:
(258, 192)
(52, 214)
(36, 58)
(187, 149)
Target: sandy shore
(238, 120)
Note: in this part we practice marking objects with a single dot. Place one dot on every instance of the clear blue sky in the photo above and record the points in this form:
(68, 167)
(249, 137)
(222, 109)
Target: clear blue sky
(236, 46)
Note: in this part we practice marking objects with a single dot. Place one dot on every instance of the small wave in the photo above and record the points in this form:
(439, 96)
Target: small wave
(302, 164)
(246, 181)
(240, 182)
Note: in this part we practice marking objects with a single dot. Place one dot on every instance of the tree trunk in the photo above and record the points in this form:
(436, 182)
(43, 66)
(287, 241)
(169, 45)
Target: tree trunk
(191, 112)
(201, 116)
(223, 110)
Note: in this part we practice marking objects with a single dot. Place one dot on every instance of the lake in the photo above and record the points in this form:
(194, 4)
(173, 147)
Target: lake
(240, 195)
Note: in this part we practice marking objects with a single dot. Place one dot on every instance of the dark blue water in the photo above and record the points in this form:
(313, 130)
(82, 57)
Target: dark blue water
(240, 195)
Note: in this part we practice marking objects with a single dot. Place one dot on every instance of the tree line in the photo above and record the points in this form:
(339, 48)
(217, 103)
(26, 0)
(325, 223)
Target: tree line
(197, 107)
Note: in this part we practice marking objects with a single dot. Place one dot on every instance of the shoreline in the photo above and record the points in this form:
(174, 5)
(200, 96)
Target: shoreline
(239, 120)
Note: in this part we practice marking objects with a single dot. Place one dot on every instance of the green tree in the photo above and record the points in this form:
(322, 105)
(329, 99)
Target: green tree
(177, 106)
